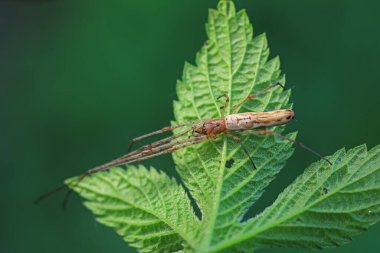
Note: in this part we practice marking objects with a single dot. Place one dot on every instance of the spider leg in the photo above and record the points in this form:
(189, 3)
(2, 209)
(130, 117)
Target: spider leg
(236, 107)
(147, 151)
(295, 142)
(147, 154)
(162, 130)
(238, 140)
(175, 147)
(47, 194)
(158, 143)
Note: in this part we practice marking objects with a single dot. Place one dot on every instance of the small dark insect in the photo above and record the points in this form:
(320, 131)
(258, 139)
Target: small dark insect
(202, 130)
(229, 163)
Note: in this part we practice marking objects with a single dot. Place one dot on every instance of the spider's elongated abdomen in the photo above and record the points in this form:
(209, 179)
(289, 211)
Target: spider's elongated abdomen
(252, 120)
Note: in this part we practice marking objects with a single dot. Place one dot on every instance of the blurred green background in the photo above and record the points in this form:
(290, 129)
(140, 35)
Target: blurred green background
(79, 79)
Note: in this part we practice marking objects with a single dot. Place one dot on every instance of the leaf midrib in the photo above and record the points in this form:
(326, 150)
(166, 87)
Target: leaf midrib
(214, 212)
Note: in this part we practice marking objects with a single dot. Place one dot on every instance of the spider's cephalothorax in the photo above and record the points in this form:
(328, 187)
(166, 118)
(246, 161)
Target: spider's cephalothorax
(211, 128)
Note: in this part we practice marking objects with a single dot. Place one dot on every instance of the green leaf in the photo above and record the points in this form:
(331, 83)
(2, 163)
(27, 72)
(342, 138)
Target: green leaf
(145, 207)
(231, 62)
(324, 207)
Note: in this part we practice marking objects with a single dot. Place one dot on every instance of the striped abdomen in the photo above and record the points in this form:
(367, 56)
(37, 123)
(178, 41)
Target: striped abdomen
(252, 120)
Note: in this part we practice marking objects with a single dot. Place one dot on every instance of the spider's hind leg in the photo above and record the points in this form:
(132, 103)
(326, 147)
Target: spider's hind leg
(295, 142)
(238, 140)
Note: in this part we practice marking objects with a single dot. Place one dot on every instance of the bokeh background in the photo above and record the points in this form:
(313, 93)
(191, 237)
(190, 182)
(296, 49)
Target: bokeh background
(79, 79)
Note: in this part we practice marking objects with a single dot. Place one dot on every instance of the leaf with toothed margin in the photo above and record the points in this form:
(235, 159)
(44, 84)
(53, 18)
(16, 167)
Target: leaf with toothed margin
(324, 207)
(235, 63)
(147, 208)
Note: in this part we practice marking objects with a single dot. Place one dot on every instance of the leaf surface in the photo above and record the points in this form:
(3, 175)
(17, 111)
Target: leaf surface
(147, 208)
(234, 63)
(324, 207)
